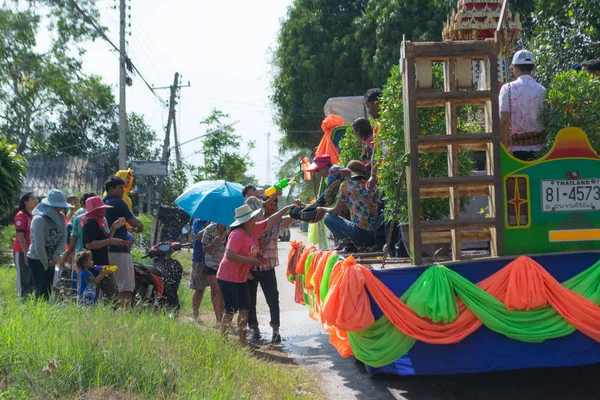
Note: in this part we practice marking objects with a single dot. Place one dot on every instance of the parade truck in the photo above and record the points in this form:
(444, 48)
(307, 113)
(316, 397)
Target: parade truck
(532, 301)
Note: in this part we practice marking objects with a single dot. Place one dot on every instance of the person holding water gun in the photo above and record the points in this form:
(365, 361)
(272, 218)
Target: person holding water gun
(87, 281)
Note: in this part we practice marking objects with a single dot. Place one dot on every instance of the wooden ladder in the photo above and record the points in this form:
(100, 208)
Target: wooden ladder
(458, 59)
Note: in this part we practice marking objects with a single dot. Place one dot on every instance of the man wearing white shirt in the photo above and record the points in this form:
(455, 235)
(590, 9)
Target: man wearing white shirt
(521, 105)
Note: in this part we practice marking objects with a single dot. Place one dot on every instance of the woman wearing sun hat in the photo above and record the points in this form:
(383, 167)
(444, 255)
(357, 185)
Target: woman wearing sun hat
(240, 254)
(97, 237)
(48, 239)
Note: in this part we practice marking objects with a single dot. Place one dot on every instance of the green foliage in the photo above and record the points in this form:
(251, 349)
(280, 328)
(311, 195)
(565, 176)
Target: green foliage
(140, 352)
(7, 236)
(316, 58)
(221, 160)
(292, 167)
(350, 146)
(13, 168)
(35, 83)
(573, 99)
(176, 182)
(390, 147)
(382, 25)
(327, 49)
(565, 32)
(87, 124)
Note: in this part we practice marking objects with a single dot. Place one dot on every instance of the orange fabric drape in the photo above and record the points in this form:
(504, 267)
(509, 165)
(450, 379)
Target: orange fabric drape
(326, 146)
(521, 285)
(296, 248)
(306, 164)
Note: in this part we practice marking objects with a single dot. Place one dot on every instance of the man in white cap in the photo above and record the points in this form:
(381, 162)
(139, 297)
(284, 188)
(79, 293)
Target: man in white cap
(521, 105)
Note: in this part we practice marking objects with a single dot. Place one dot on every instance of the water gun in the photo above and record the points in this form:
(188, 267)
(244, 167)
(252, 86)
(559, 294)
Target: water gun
(105, 268)
(279, 186)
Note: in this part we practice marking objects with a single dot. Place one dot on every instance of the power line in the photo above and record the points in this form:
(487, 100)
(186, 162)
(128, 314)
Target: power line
(130, 65)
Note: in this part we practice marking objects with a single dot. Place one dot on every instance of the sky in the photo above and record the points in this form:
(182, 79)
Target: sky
(223, 48)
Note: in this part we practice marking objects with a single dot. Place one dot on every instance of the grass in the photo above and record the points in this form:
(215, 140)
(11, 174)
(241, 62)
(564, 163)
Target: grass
(63, 351)
(66, 351)
(185, 293)
(7, 235)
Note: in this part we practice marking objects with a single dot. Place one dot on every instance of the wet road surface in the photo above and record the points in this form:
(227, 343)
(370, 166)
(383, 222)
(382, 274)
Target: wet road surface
(305, 341)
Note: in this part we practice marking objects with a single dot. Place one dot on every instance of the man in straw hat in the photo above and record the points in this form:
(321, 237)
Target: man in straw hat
(241, 252)
(359, 231)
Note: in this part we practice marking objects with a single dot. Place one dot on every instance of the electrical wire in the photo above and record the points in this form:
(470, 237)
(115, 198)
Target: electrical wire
(101, 32)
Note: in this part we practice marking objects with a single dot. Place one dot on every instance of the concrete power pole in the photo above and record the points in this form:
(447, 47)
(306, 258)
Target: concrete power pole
(166, 152)
(176, 138)
(122, 86)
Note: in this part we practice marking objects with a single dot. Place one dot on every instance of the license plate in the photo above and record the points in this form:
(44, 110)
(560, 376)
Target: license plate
(571, 195)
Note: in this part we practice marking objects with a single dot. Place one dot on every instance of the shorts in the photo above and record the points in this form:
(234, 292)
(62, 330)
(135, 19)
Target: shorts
(209, 271)
(124, 275)
(198, 278)
(236, 296)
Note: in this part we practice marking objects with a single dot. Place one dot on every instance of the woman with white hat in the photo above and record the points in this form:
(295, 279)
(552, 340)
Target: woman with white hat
(241, 253)
(48, 239)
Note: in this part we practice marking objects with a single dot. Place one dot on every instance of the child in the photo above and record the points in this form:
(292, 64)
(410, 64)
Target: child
(87, 281)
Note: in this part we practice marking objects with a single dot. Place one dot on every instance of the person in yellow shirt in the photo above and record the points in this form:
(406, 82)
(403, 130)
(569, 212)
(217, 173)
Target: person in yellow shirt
(127, 176)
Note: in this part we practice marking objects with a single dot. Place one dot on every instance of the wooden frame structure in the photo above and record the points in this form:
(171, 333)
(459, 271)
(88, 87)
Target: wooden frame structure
(458, 59)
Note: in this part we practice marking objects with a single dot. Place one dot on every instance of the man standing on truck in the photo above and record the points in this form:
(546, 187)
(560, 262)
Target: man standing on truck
(521, 105)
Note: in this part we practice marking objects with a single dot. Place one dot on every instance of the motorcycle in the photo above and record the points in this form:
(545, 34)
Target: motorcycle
(158, 283)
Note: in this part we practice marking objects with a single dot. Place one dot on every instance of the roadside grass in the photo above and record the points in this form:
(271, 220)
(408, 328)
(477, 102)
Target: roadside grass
(7, 236)
(65, 351)
(185, 293)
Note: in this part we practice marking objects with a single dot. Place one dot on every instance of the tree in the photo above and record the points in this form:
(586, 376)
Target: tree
(34, 82)
(292, 167)
(13, 168)
(221, 160)
(566, 32)
(87, 123)
(316, 58)
(380, 30)
(175, 182)
(330, 48)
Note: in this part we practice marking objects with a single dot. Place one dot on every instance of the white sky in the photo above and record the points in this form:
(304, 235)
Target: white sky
(222, 47)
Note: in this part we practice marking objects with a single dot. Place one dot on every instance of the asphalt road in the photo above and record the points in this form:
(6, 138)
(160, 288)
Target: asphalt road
(308, 344)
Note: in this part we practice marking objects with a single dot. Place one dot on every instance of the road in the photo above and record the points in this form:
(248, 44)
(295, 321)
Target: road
(307, 344)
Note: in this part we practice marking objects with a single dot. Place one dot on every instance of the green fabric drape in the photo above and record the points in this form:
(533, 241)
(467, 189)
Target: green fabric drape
(327, 276)
(433, 296)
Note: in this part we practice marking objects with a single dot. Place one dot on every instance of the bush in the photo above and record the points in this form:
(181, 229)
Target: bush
(350, 146)
(13, 169)
(573, 100)
(390, 147)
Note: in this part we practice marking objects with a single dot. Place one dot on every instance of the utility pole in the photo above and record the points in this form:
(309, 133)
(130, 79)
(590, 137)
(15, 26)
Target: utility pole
(166, 153)
(166, 146)
(268, 134)
(177, 149)
(122, 86)
(177, 146)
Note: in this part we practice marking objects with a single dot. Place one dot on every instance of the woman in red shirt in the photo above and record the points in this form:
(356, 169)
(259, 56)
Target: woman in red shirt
(241, 253)
(21, 244)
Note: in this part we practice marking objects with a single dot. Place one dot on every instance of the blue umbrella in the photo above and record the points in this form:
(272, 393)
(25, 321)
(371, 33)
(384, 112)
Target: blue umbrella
(213, 201)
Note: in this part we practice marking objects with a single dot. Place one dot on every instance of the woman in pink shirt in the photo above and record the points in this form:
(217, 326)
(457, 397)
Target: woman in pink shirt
(241, 253)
